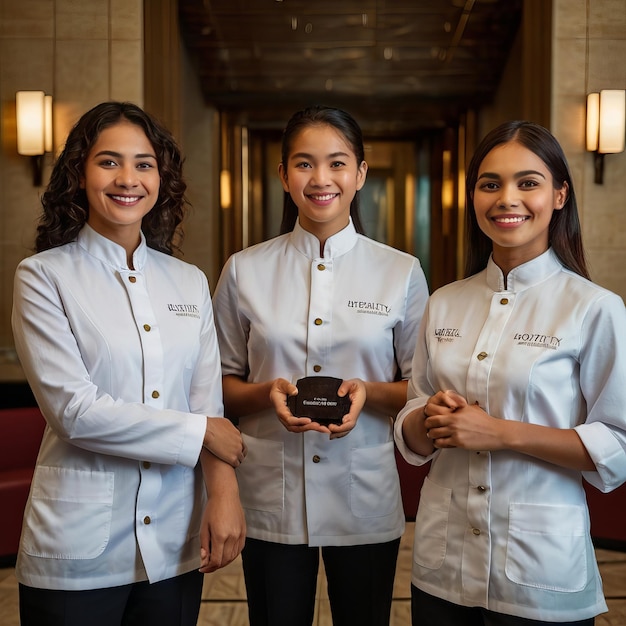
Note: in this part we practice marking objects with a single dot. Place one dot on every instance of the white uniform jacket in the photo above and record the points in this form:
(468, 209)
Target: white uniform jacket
(503, 530)
(282, 310)
(124, 365)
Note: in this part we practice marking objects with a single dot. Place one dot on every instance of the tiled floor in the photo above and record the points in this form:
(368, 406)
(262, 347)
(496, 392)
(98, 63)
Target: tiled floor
(224, 598)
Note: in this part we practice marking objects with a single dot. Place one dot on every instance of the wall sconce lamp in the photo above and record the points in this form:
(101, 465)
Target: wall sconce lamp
(606, 125)
(34, 128)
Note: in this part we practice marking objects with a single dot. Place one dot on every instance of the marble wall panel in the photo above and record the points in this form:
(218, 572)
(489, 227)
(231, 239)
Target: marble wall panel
(126, 20)
(33, 19)
(126, 82)
(77, 19)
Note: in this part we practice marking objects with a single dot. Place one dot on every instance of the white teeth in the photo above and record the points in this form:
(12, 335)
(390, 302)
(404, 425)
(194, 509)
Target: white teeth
(125, 199)
(328, 196)
(510, 220)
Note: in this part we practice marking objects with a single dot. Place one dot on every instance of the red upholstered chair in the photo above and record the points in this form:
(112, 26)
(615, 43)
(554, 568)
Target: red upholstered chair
(607, 512)
(411, 479)
(21, 430)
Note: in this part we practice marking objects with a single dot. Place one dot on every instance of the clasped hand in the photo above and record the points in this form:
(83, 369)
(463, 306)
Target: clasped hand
(451, 422)
(353, 388)
(224, 440)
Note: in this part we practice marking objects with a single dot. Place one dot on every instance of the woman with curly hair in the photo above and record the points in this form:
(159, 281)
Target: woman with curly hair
(117, 341)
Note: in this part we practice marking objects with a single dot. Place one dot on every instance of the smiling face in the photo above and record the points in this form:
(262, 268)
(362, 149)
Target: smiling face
(514, 198)
(322, 176)
(121, 181)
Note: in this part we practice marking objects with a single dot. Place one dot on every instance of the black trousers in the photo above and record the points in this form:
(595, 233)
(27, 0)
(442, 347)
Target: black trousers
(427, 610)
(172, 602)
(281, 582)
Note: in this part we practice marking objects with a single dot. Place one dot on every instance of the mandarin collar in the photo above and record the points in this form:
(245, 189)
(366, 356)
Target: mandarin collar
(524, 276)
(309, 245)
(110, 252)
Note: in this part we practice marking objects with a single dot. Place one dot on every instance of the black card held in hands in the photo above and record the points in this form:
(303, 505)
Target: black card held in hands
(317, 399)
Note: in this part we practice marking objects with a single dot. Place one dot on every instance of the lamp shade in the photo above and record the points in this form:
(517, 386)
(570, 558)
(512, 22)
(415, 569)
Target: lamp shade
(30, 111)
(612, 122)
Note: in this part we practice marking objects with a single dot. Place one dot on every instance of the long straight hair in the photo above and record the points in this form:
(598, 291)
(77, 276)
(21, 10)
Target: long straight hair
(321, 116)
(564, 233)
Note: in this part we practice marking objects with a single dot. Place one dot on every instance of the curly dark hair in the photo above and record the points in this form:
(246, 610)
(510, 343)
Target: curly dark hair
(320, 115)
(564, 232)
(65, 207)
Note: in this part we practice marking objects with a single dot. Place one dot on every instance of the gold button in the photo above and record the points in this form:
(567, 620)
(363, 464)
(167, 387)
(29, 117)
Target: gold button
(147, 328)
(504, 301)
(316, 459)
(317, 368)
(321, 267)
(146, 519)
(147, 465)
(481, 356)
(476, 531)
(155, 394)
(132, 279)
(318, 321)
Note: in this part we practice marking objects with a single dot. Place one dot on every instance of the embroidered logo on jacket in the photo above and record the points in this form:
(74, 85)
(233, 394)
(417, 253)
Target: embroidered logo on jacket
(369, 308)
(184, 310)
(447, 334)
(537, 340)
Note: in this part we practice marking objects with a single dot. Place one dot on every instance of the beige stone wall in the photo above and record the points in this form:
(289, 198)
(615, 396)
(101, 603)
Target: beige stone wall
(81, 52)
(589, 54)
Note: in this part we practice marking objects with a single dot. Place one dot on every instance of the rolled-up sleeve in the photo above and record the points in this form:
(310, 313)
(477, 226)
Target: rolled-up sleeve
(603, 383)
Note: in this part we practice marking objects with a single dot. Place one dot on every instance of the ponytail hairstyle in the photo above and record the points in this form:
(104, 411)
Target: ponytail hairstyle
(351, 132)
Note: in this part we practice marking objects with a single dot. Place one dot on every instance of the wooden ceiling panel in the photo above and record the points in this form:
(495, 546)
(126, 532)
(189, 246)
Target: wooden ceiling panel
(440, 55)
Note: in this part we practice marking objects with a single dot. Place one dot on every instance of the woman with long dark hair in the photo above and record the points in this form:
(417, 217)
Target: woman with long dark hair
(320, 300)
(517, 394)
